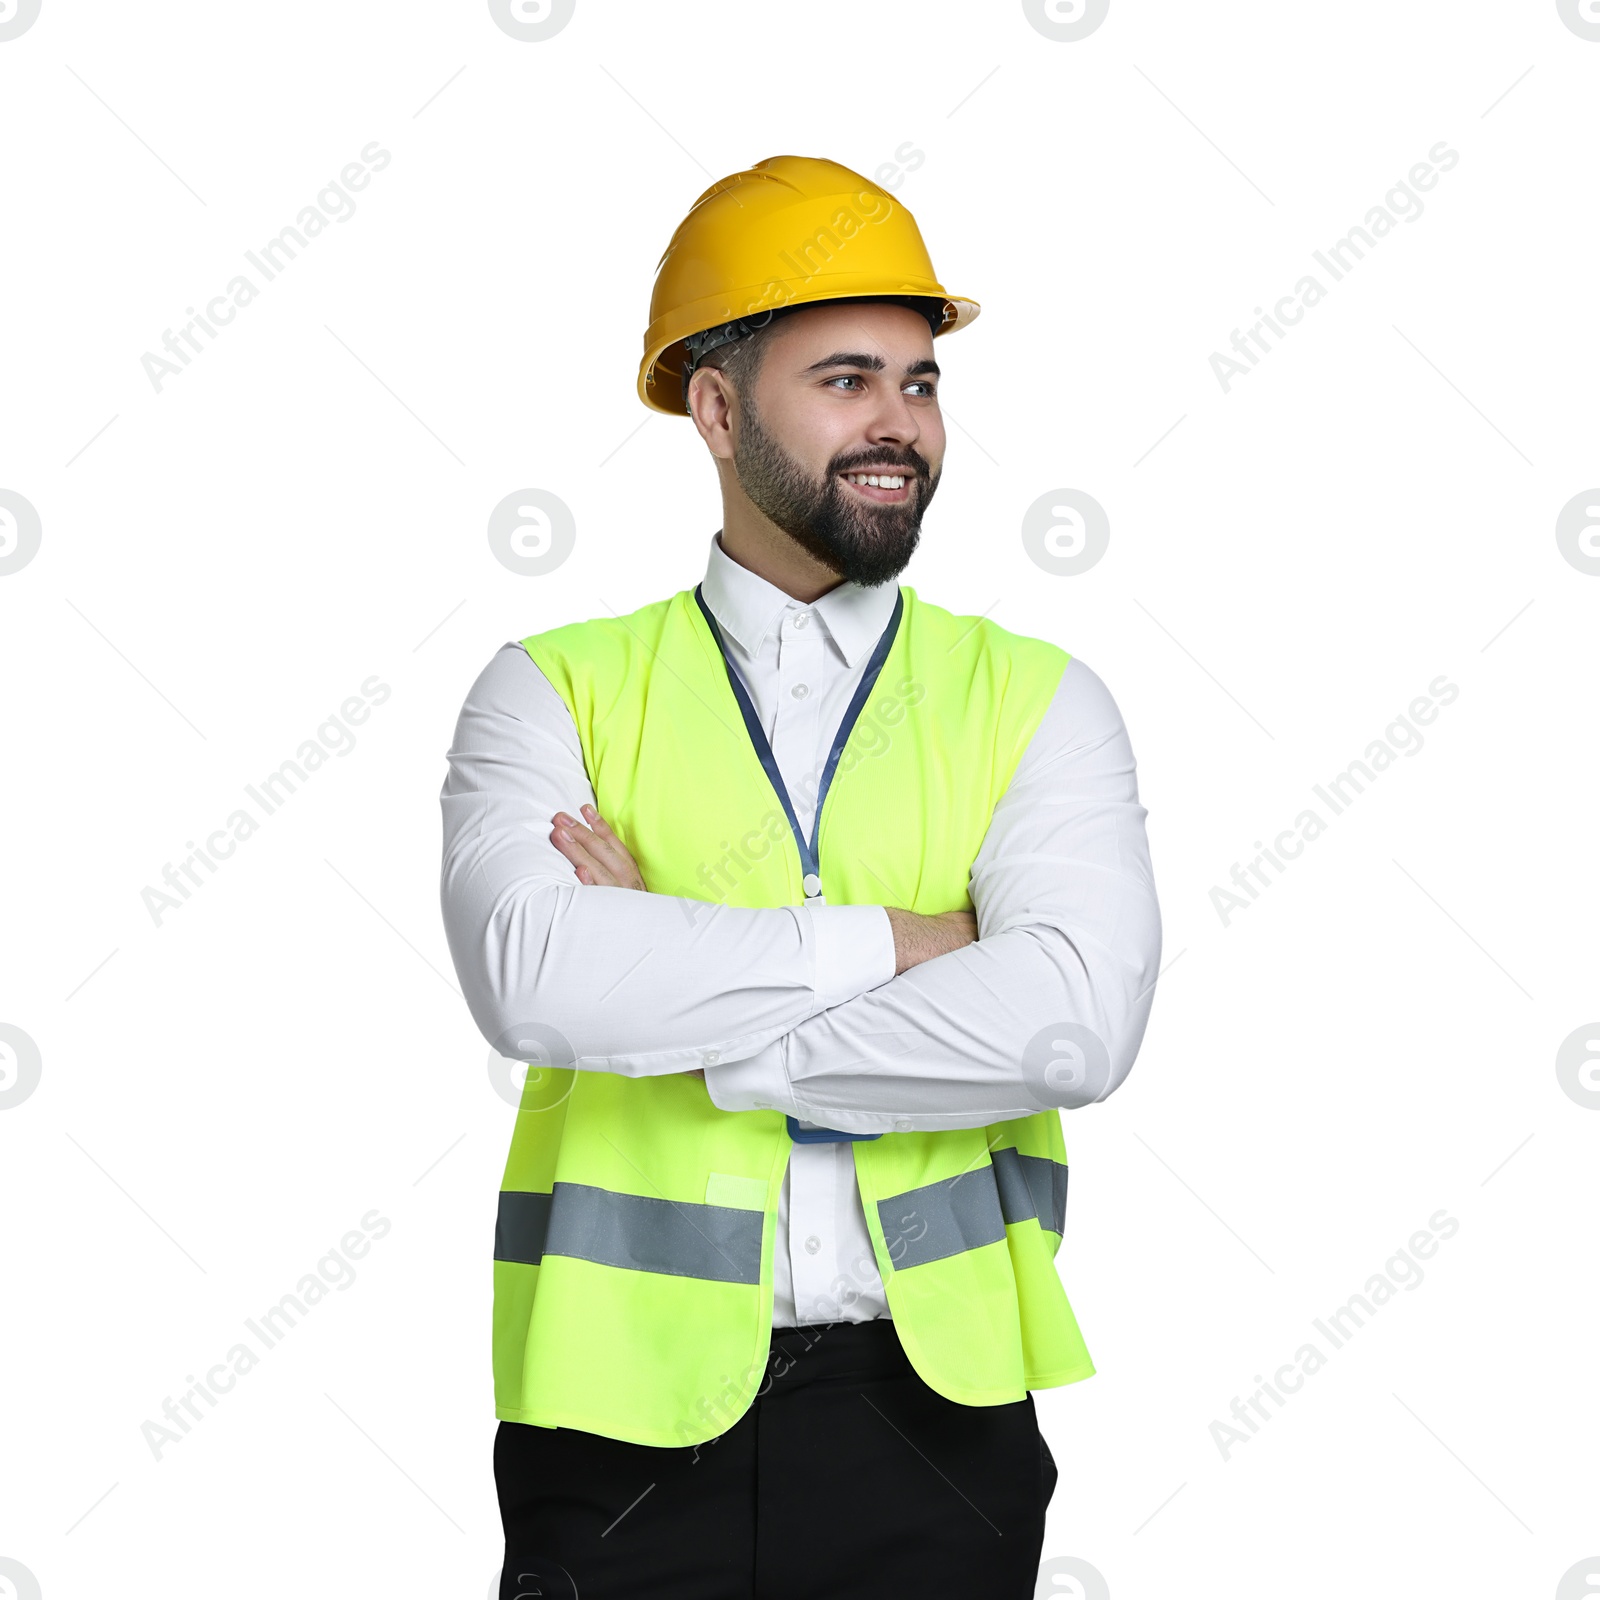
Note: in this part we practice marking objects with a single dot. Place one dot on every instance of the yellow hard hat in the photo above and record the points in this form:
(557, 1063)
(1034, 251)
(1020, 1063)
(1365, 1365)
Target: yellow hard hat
(789, 231)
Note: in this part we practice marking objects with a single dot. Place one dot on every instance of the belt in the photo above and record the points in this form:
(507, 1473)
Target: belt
(817, 1351)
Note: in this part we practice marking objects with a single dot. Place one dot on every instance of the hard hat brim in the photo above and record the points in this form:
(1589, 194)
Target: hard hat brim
(660, 381)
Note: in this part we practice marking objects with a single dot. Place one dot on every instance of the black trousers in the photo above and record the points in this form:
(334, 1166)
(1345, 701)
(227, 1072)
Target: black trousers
(848, 1477)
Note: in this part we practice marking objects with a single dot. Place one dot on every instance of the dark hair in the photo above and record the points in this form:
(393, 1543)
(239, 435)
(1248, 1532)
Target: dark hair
(740, 359)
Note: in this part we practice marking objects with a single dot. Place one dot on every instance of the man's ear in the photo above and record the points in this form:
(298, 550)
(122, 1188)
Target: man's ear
(711, 405)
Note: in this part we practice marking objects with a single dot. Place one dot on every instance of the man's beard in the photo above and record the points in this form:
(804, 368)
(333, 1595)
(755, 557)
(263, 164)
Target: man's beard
(865, 542)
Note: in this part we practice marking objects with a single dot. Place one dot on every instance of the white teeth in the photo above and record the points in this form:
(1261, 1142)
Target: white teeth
(877, 480)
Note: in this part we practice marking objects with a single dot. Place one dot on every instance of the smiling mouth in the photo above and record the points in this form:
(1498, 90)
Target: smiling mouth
(884, 487)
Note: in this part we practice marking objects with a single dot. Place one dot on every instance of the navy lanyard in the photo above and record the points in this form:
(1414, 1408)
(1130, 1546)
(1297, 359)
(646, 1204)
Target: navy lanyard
(810, 864)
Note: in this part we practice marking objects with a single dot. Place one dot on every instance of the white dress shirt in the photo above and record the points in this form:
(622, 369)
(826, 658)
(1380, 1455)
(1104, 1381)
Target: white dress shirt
(798, 1008)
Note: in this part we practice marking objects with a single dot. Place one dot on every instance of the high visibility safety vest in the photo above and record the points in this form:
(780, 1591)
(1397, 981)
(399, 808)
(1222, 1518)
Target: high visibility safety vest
(633, 1260)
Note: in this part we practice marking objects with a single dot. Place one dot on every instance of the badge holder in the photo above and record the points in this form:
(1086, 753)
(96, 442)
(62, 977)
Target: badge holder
(811, 1133)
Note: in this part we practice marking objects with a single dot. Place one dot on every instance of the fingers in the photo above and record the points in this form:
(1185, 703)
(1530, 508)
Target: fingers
(601, 826)
(574, 842)
(607, 848)
(597, 854)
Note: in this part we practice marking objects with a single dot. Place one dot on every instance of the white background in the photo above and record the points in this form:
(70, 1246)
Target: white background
(224, 562)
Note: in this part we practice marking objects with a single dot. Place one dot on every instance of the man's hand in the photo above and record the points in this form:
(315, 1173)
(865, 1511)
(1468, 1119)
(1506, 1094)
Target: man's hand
(599, 856)
(596, 853)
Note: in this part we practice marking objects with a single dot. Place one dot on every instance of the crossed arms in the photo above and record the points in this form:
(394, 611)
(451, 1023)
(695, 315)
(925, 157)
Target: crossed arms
(814, 1010)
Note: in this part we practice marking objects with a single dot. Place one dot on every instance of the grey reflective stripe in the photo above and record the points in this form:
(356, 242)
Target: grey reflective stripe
(1031, 1186)
(680, 1237)
(962, 1213)
(942, 1219)
(521, 1226)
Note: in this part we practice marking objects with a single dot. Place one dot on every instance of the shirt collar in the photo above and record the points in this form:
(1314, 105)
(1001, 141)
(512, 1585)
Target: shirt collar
(748, 607)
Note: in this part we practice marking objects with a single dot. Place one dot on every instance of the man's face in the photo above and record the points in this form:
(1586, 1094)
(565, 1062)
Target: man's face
(845, 391)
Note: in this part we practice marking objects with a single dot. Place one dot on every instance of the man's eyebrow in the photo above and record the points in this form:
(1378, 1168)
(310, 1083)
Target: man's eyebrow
(870, 363)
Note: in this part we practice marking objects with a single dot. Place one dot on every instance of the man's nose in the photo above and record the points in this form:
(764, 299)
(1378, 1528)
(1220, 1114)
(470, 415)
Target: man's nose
(893, 421)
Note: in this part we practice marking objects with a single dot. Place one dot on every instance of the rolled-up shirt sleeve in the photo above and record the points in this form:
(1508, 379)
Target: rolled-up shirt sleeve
(597, 977)
(1047, 1008)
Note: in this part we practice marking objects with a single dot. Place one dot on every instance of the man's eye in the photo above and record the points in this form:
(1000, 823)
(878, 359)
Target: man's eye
(920, 386)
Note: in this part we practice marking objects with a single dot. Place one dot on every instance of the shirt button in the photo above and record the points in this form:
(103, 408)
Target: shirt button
(813, 1244)
(802, 618)
(712, 1057)
(799, 691)
(902, 1125)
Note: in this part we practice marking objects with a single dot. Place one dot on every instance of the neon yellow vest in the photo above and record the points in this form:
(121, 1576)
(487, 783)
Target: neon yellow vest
(633, 1277)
